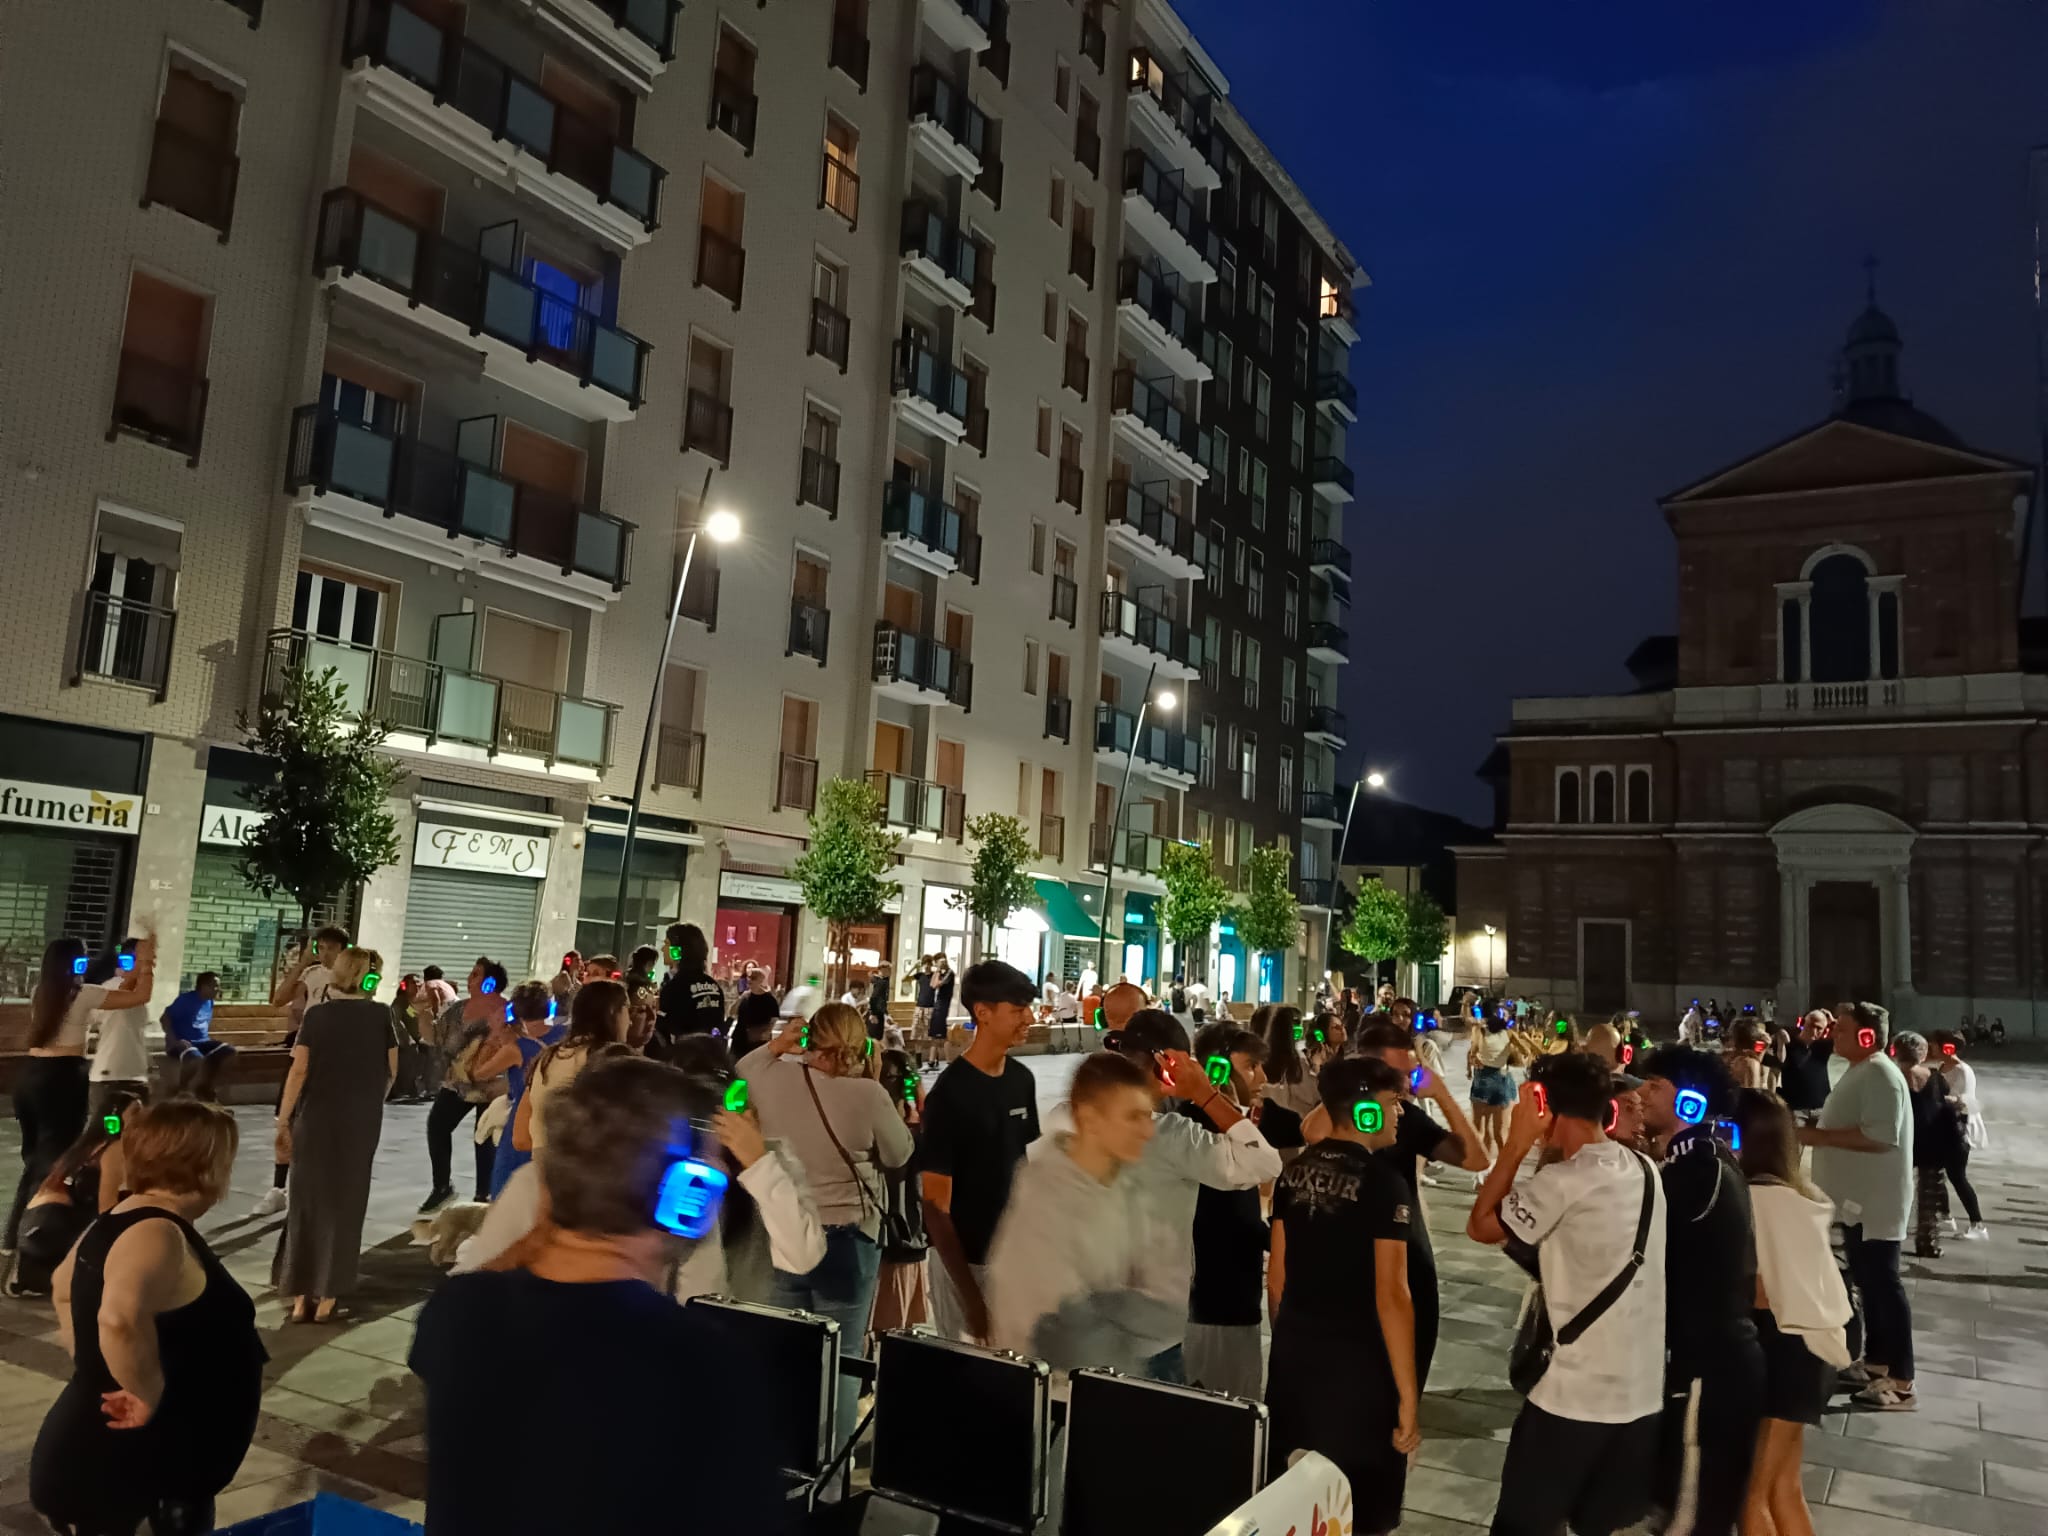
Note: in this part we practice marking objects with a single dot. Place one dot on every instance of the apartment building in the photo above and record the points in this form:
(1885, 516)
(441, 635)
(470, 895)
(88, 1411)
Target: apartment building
(416, 339)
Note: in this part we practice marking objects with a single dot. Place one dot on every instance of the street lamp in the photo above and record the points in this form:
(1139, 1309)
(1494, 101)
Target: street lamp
(1166, 701)
(721, 527)
(1374, 780)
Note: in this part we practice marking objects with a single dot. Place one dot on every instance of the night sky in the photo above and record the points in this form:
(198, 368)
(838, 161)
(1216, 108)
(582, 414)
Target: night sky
(1614, 246)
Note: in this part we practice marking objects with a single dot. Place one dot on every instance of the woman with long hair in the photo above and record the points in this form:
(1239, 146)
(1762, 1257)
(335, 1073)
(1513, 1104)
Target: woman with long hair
(1976, 1135)
(1290, 1086)
(1490, 1055)
(86, 1182)
(901, 1299)
(601, 1015)
(51, 1089)
(1801, 1310)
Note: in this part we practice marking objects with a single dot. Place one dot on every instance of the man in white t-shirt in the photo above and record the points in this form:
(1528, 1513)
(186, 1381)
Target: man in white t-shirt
(1585, 1442)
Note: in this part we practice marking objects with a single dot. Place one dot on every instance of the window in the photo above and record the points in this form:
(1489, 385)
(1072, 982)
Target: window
(1255, 586)
(1220, 356)
(1293, 522)
(1290, 609)
(1286, 780)
(1247, 371)
(809, 607)
(1262, 403)
(1603, 795)
(1248, 769)
(733, 102)
(1290, 685)
(1302, 353)
(818, 471)
(849, 51)
(1237, 653)
(1269, 240)
(1244, 470)
(796, 779)
(1838, 621)
(721, 257)
(841, 190)
(1074, 367)
(829, 329)
(1254, 655)
(1212, 650)
(1052, 314)
(1218, 462)
(1226, 279)
(1639, 795)
(1031, 666)
(1087, 132)
(1568, 795)
(160, 385)
(1297, 438)
(192, 164)
(1212, 566)
(133, 591)
(1037, 547)
(1062, 83)
(1206, 769)
(707, 413)
(1240, 562)
(1259, 495)
(1045, 429)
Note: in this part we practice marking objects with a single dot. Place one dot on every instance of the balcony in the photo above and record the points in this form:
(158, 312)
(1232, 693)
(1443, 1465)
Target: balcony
(192, 176)
(829, 333)
(444, 711)
(1326, 724)
(1145, 413)
(1338, 395)
(1081, 259)
(990, 182)
(1052, 838)
(1329, 642)
(817, 481)
(931, 394)
(938, 254)
(1059, 717)
(1152, 308)
(983, 308)
(965, 26)
(1157, 206)
(1164, 754)
(721, 265)
(976, 435)
(1329, 557)
(839, 189)
(159, 403)
(1155, 530)
(1137, 853)
(919, 669)
(473, 106)
(1066, 600)
(849, 55)
(924, 531)
(424, 500)
(1143, 634)
(1088, 147)
(652, 22)
(1173, 118)
(810, 631)
(946, 127)
(918, 807)
(1314, 893)
(124, 641)
(796, 783)
(535, 341)
(1333, 479)
(1074, 371)
(734, 109)
(1319, 808)
(1071, 483)
(1094, 41)
(707, 426)
(1338, 316)
(679, 759)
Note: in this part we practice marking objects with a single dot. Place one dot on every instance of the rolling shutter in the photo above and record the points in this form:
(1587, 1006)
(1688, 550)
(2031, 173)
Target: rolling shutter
(452, 916)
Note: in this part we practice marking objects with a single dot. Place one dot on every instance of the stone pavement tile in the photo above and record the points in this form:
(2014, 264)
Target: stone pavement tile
(1473, 1458)
(261, 1466)
(1993, 1396)
(1416, 1523)
(330, 1418)
(1451, 1495)
(2017, 1373)
(1959, 1471)
(1814, 1482)
(1440, 1415)
(295, 1487)
(349, 1380)
(1940, 1508)
(2022, 1485)
(1918, 1432)
(385, 1338)
(1959, 1411)
(1829, 1520)
(1946, 1358)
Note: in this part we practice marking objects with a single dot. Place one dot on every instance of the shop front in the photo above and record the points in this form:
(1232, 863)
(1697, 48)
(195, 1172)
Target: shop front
(756, 925)
(1138, 939)
(944, 926)
(654, 891)
(1231, 978)
(474, 889)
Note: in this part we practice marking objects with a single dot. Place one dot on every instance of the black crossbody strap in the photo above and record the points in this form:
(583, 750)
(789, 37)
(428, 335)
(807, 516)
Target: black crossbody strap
(1596, 1309)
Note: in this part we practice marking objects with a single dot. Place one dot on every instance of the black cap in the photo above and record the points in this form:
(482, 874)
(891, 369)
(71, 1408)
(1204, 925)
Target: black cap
(995, 981)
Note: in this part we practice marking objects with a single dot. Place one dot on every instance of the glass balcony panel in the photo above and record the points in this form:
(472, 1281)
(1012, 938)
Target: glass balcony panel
(600, 547)
(508, 308)
(487, 505)
(387, 249)
(529, 118)
(469, 708)
(580, 734)
(632, 182)
(363, 462)
(351, 670)
(414, 45)
(615, 361)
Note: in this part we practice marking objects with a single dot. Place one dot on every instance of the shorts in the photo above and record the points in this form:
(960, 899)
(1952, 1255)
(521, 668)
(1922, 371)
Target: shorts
(1493, 1086)
(1797, 1382)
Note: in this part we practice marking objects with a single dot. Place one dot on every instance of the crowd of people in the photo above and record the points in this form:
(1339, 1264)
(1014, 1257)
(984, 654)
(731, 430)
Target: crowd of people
(1235, 1206)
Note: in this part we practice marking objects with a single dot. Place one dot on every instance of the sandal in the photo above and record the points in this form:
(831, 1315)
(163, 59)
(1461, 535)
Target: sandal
(1886, 1396)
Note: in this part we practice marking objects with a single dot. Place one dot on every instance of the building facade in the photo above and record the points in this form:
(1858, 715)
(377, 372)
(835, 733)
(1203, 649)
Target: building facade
(1838, 785)
(416, 340)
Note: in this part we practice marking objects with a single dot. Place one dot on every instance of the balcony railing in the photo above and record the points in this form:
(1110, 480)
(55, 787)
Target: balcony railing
(1188, 113)
(849, 55)
(903, 656)
(1066, 598)
(1336, 307)
(1330, 553)
(1329, 637)
(1162, 748)
(734, 107)
(1160, 298)
(829, 331)
(976, 435)
(1059, 717)
(1081, 259)
(1139, 852)
(817, 481)
(1070, 483)
(936, 382)
(1074, 371)
(1156, 522)
(1167, 194)
(983, 305)
(1326, 720)
(357, 235)
(1331, 470)
(990, 182)
(1337, 389)
(126, 642)
(919, 805)
(810, 630)
(721, 265)
(443, 703)
(839, 189)
(981, 12)
(679, 759)
(652, 21)
(796, 783)
(405, 477)
(1320, 805)
(1314, 892)
(928, 233)
(934, 96)
(511, 106)
(1094, 42)
(707, 426)
(160, 403)
(1153, 406)
(191, 175)
(1052, 837)
(909, 513)
(1088, 147)
(1125, 616)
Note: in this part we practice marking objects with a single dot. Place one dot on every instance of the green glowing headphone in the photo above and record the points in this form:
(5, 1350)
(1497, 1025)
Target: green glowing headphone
(1219, 1070)
(1367, 1117)
(910, 1087)
(371, 981)
(736, 1096)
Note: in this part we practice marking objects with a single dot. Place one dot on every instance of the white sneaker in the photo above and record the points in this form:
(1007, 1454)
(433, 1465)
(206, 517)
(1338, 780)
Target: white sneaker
(1977, 1233)
(272, 1204)
(1947, 1227)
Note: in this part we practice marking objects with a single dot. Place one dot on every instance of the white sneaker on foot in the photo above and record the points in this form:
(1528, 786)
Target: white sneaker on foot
(272, 1204)
(1977, 1233)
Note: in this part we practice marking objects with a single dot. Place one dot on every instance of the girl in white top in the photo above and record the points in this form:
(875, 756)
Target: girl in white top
(120, 1026)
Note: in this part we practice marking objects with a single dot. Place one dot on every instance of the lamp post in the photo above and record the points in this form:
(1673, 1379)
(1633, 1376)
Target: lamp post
(1166, 702)
(1372, 779)
(721, 527)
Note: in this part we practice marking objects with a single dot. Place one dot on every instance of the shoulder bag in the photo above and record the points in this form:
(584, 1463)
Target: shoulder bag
(867, 1199)
(1534, 1345)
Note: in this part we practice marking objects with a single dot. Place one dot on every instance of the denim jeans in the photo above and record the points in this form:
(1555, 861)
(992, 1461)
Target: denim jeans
(1887, 1314)
(842, 1288)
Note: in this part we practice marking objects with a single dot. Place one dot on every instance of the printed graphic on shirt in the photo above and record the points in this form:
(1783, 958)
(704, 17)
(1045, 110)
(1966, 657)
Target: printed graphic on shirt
(1319, 1187)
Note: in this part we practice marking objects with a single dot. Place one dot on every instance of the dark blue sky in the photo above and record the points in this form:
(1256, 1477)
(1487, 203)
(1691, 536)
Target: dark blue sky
(1613, 246)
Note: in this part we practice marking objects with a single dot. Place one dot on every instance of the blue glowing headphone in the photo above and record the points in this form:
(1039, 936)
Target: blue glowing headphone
(488, 985)
(125, 960)
(1729, 1132)
(691, 1193)
(1690, 1105)
(78, 965)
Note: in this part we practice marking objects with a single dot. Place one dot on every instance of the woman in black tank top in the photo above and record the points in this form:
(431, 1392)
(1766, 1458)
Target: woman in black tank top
(158, 1429)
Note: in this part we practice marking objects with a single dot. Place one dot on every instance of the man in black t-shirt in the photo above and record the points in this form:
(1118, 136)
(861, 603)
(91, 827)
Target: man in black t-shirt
(754, 1015)
(691, 1002)
(978, 1118)
(1714, 1378)
(1803, 1080)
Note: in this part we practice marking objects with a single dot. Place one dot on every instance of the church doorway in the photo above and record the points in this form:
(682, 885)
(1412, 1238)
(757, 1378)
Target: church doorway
(1845, 947)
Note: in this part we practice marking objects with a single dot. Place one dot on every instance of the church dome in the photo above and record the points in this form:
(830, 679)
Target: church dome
(1873, 325)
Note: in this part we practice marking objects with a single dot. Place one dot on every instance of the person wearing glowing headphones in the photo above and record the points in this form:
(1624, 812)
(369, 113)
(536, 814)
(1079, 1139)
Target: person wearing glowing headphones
(1341, 1379)
(631, 1183)
(1863, 1161)
(1714, 1375)
(531, 1010)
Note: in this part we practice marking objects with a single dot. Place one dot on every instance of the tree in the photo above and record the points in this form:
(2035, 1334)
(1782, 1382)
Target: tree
(1000, 882)
(1379, 923)
(326, 823)
(1195, 898)
(843, 872)
(1428, 929)
(1269, 921)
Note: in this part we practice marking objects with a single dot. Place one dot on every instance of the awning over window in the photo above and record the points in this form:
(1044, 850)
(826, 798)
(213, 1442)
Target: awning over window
(1063, 913)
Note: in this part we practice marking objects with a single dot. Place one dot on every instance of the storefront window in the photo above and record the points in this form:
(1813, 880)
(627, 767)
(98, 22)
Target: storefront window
(654, 893)
(753, 933)
(54, 886)
(1022, 942)
(945, 926)
(868, 946)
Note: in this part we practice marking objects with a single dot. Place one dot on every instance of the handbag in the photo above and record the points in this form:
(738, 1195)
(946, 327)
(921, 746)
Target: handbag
(866, 1196)
(1534, 1346)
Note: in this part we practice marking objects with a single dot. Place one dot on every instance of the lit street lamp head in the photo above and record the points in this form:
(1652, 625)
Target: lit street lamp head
(1166, 700)
(1375, 780)
(722, 526)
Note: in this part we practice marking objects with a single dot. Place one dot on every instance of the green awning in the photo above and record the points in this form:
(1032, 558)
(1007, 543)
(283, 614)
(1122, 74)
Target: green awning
(1063, 913)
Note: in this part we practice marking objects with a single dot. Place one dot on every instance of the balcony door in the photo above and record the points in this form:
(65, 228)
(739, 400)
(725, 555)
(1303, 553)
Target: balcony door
(892, 748)
(550, 476)
(398, 188)
(518, 650)
(901, 607)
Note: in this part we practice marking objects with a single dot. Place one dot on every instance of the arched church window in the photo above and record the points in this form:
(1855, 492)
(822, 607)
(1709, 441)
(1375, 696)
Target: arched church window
(1839, 621)
(1568, 795)
(1603, 795)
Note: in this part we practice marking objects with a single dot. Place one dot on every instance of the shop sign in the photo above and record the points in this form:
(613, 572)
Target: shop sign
(492, 853)
(774, 888)
(229, 826)
(59, 805)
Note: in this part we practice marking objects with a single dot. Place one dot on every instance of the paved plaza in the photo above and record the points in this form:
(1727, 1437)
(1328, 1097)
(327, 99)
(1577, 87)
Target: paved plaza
(343, 1413)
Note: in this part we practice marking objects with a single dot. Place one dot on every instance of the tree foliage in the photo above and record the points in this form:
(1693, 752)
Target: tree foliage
(1195, 898)
(844, 871)
(1269, 921)
(999, 881)
(327, 825)
(1378, 927)
(1428, 929)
